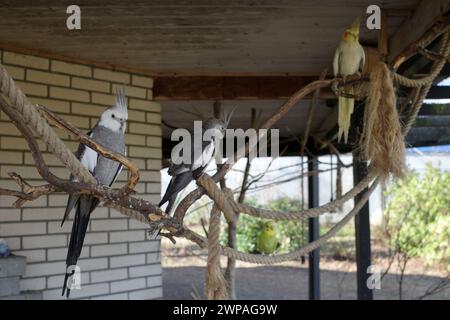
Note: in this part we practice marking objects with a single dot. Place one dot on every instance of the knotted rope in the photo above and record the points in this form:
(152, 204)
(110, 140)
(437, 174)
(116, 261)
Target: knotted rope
(215, 284)
(231, 205)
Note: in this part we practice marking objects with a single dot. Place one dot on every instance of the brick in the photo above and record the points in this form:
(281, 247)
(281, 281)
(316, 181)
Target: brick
(146, 270)
(25, 60)
(108, 275)
(142, 81)
(25, 172)
(100, 213)
(9, 215)
(61, 253)
(17, 73)
(153, 188)
(117, 296)
(108, 224)
(134, 139)
(144, 246)
(115, 214)
(131, 91)
(108, 250)
(70, 68)
(154, 164)
(56, 281)
(87, 109)
(146, 175)
(38, 203)
(90, 85)
(32, 284)
(93, 264)
(155, 142)
(150, 94)
(103, 99)
(126, 236)
(69, 94)
(9, 129)
(137, 225)
(49, 159)
(138, 116)
(153, 117)
(124, 261)
(113, 76)
(145, 105)
(48, 78)
(22, 228)
(90, 290)
(154, 281)
(45, 269)
(36, 214)
(32, 255)
(127, 285)
(57, 200)
(153, 257)
(9, 157)
(145, 152)
(96, 238)
(79, 122)
(33, 89)
(146, 129)
(55, 227)
(146, 294)
(45, 241)
(13, 143)
(54, 105)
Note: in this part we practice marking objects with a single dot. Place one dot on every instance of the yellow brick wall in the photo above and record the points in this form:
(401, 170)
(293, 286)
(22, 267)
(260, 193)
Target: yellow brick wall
(118, 261)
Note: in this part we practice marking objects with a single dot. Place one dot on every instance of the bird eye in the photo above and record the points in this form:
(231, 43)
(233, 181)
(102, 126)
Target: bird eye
(113, 115)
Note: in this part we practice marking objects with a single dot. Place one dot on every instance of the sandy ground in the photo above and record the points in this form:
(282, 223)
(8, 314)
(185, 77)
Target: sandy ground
(184, 272)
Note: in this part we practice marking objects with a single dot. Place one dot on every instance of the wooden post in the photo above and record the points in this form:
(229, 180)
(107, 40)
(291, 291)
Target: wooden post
(313, 230)
(362, 233)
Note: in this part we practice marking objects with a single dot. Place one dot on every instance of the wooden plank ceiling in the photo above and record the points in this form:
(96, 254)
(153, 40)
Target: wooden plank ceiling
(200, 37)
(221, 43)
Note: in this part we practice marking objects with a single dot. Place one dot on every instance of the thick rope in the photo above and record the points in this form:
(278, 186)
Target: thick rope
(428, 80)
(33, 119)
(272, 259)
(218, 197)
(215, 284)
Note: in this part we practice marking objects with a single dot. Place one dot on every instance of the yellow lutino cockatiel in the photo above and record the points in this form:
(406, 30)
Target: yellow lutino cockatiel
(349, 59)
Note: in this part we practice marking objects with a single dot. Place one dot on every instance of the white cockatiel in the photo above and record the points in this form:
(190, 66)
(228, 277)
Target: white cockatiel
(349, 59)
(110, 133)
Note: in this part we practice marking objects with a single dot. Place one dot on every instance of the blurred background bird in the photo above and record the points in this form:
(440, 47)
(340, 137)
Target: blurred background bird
(267, 242)
(349, 59)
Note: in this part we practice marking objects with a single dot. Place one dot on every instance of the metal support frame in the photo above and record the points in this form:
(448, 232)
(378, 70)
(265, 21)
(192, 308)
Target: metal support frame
(313, 230)
(362, 234)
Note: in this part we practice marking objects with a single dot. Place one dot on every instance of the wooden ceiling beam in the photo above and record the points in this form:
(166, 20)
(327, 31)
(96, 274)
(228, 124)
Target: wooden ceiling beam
(420, 28)
(231, 88)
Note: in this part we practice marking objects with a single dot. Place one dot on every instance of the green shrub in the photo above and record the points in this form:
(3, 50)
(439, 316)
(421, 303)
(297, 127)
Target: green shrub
(417, 216)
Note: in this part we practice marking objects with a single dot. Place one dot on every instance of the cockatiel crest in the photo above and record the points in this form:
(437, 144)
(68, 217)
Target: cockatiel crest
(349, 59)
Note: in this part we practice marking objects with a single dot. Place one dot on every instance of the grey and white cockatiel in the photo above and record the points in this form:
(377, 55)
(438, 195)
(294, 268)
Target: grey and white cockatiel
(349, 59)
(183, 173)
(110, 133)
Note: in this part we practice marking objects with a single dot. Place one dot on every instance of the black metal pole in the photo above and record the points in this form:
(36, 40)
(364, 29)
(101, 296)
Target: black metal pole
(313, 229)
(362, 234)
